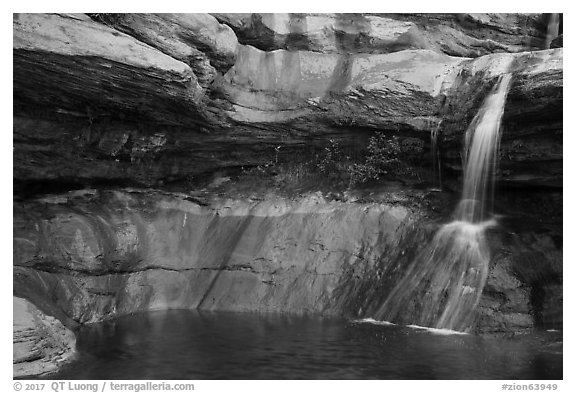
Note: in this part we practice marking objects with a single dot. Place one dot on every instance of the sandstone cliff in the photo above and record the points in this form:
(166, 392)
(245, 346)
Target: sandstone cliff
(141, 99)
(160, 119)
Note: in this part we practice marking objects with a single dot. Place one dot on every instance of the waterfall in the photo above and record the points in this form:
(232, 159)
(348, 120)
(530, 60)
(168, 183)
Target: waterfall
(552, 30)
(442, 286)
(480, 154)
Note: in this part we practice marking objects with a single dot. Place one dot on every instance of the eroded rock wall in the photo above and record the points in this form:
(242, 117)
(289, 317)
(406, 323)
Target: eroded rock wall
(144, 99)
(89, 256)
(74, 65)
(466, 35)
(198, 40)
(119, 253)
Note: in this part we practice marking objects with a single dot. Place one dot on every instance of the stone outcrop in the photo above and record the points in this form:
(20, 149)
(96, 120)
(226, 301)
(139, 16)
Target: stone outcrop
(557, 42)
(92, 118)
(365, 90)
(167, 101)
(106, 254)
(198, 40)
(40, 342)
(466, 35)
(85, 69)
(116, 253)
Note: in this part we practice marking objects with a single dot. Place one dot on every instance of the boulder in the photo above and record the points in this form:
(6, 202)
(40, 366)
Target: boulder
(41, 344)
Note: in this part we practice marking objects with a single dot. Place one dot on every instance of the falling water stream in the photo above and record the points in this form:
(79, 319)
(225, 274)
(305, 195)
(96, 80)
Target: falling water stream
(446, 278)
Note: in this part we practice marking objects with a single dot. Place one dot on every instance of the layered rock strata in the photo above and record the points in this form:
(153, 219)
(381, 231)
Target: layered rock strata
(142, 99)
(89, 256)
(152, 100)
(40, 342)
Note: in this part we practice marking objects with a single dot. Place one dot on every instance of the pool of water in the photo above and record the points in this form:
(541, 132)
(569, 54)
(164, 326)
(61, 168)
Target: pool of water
(183, 344)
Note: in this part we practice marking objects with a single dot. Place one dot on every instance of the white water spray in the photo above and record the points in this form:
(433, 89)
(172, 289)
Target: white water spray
(442, 286)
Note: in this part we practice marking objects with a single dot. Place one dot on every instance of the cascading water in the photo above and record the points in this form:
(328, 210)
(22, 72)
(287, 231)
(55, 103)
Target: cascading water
(442, 286)
(482, 145)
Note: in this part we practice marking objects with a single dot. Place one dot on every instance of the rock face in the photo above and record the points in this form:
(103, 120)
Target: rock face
(365, 90)
(195, 39)
(41, 343)
(115, 253)
(157, 98)
(528, 154)
(467, 35)
(557, 42)
(94, 69)
(165, 101)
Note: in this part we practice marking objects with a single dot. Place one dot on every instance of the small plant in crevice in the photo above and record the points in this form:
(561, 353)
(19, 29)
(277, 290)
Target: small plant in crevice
(384, 156)
(335, 167)
(332, 160)
(389, 157)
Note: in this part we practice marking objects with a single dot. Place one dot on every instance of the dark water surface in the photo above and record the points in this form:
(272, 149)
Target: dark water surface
(186, 344)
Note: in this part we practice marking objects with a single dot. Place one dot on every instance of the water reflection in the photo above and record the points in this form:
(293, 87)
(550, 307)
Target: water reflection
(199, 345)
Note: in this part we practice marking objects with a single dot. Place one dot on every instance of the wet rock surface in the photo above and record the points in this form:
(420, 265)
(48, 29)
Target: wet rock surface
(96, 255)
(530, 148)
(117, 253)
(557, 42)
